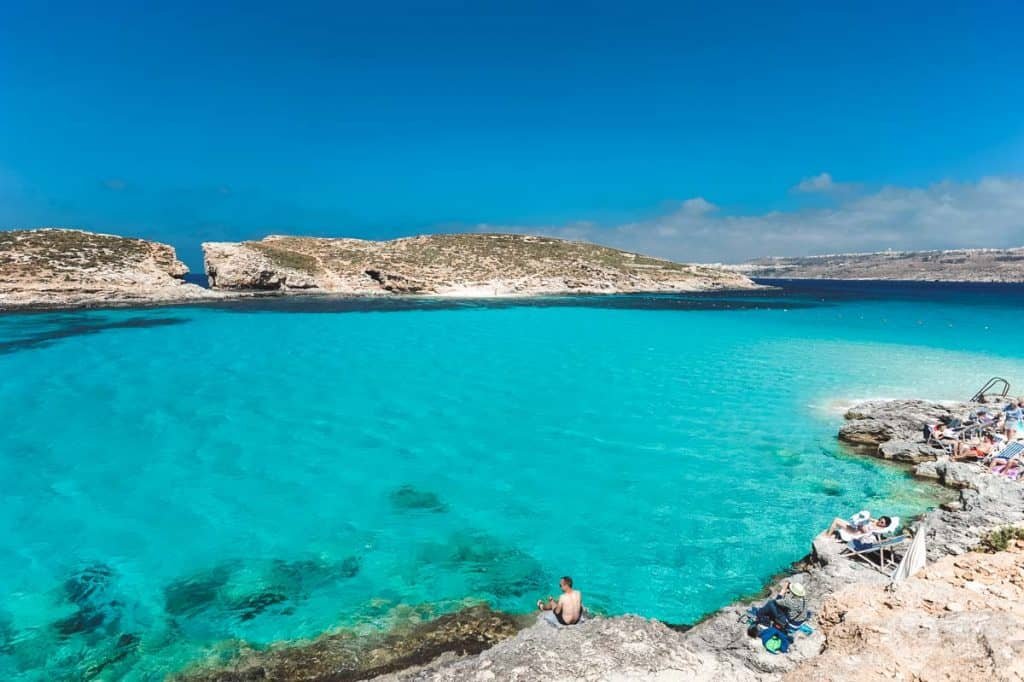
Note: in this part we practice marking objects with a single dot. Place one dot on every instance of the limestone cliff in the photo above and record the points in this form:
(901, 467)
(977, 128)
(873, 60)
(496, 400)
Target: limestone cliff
(62, 268)
(450, 264)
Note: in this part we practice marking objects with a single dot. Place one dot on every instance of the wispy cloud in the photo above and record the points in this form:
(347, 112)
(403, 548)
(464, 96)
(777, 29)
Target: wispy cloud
(115, 184)
(822, 182)
(986, 213)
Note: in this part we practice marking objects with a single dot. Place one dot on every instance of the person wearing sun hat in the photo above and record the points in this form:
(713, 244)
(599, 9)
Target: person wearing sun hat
(790, 601)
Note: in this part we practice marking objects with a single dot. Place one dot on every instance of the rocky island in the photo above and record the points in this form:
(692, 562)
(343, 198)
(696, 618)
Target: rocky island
(64, 268)
(958, 265)
(58, 268)
(467, 265)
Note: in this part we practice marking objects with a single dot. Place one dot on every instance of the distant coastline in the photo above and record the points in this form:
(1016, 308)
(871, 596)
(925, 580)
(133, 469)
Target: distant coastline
(957, 265)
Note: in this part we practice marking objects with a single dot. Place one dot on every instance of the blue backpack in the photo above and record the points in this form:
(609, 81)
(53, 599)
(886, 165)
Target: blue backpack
(775, 641)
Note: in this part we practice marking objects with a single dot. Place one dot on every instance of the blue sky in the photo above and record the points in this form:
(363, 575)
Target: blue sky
(681, 129)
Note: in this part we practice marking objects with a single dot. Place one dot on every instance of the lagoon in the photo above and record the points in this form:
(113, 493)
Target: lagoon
(180, 480)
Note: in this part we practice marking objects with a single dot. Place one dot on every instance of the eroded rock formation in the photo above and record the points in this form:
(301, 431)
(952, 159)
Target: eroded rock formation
(66, 268)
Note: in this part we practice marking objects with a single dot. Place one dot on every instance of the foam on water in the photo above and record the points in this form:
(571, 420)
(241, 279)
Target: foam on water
(179, 480)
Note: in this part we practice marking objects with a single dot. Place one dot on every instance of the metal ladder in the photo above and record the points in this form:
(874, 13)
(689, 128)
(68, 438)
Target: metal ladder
(989, 389)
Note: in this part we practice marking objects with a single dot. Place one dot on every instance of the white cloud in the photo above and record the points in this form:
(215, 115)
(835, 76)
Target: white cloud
(822, 182)
(986, 213)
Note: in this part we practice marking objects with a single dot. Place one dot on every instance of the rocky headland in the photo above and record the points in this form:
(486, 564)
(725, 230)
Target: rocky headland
(958, 265)
(958, 619)
(467, 265)
(58, 268)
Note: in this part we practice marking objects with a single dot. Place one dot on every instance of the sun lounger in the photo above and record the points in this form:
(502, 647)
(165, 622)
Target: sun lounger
(884, 550)
(849, 536)
(1013, 450)
(947, 441)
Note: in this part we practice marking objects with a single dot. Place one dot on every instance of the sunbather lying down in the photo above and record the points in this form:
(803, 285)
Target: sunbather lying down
(862, 528)
(972, 452)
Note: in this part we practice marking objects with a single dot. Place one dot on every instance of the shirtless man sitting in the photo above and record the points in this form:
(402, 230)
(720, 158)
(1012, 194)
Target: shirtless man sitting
(568, 610)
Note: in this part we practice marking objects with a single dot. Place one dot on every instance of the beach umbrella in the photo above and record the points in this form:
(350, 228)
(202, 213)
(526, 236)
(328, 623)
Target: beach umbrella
(915, 558)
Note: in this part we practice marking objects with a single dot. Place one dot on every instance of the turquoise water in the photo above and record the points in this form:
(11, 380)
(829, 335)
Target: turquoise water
(178, 481)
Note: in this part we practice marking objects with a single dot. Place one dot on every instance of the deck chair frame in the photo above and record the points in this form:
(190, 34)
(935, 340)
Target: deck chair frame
(884, 560)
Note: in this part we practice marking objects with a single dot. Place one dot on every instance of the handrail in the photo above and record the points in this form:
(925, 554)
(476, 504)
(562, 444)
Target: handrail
(990, 389)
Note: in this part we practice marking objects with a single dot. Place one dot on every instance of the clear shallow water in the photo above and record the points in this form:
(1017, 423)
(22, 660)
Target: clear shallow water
(178, 480)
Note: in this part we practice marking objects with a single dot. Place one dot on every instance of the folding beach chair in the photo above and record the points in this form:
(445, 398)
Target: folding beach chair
(884, 549)
(947, 444)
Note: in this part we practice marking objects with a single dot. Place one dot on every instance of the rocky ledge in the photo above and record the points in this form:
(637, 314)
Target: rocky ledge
(473, 265)
(57, 268)
(960, 618)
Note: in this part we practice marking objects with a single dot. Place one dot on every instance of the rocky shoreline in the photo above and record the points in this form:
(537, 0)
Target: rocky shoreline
(958, 619)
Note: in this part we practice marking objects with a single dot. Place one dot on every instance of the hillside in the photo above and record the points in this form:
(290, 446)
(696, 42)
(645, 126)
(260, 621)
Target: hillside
(451, 264)
(960, 265)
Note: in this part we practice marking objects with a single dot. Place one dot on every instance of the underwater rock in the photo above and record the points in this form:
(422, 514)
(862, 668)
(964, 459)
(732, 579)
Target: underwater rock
(409, 497)
(302, 575)
(350, 567)
(84, 585)
(126, 645)
(88, 590)
(188, 596)
(82, 621)
(493, 567)
(255, 604)
(342, 656)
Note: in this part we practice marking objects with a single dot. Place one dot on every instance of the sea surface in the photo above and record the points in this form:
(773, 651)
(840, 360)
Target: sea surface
(178, 482)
